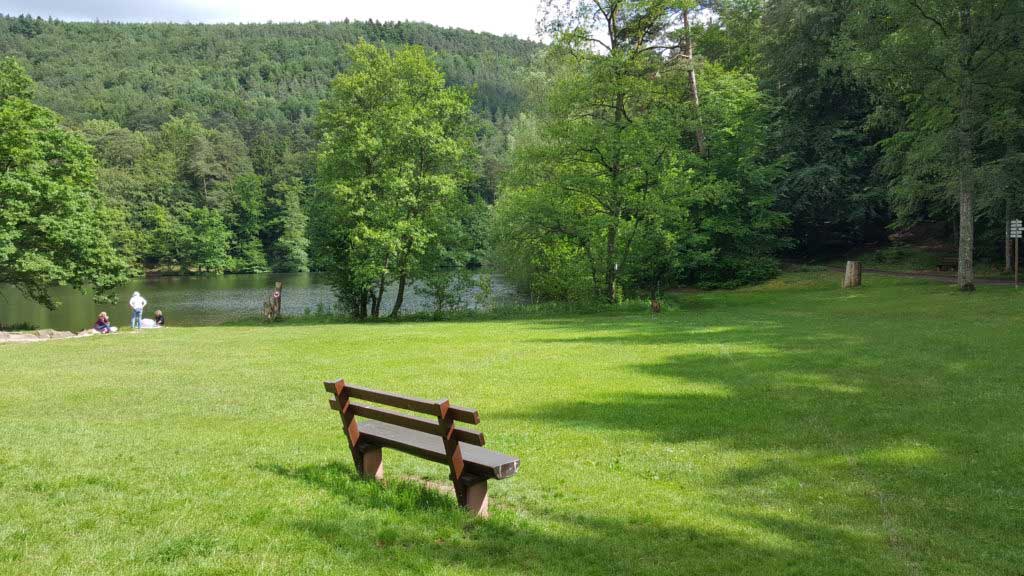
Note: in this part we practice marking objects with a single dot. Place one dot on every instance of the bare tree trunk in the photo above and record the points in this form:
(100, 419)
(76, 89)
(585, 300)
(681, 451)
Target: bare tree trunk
(611, 247)
(612, 270)
(361, 306)
(403, 276)
(694, 93)
(400, 297)
(852, 279)
(272, 307)
(377, 298)
(965, 156)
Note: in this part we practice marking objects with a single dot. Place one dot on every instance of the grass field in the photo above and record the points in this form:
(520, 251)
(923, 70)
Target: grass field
(793, 428)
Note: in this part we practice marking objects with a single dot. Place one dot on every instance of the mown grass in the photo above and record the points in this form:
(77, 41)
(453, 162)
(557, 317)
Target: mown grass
(793, 428)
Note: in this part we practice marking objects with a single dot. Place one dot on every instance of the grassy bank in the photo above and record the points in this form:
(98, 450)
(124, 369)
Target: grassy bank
(792, 428)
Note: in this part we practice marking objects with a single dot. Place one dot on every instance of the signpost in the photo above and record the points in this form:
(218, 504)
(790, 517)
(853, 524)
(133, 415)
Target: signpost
(1016, 230)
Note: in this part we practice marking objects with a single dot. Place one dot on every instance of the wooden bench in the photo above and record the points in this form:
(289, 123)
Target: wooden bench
(949, 264)
(370, 428)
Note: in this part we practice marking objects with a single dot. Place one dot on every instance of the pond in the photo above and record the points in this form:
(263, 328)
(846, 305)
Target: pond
(211, 300)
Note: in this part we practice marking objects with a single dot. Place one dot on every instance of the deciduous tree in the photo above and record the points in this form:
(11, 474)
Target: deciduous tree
(395, 151)
(54, 227)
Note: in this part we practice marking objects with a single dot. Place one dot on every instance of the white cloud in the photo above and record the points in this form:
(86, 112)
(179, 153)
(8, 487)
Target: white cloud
(516, 17)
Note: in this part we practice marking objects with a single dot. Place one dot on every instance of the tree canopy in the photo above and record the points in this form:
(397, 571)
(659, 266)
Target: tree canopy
(219, 122)
(395, 152)
(55, 228)
(649, 143)
(624, 173)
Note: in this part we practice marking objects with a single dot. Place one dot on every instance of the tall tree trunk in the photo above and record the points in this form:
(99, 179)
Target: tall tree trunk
(694, 93)
(403, 275)
(400, 297)
(612, 270)
(965, 154)
(361, 305)
(378, 297)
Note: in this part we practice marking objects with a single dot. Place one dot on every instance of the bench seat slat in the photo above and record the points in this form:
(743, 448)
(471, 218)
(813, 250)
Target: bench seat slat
(479, 461)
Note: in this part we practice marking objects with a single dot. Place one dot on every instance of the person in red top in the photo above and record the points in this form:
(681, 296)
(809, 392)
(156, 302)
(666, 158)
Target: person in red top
(102, 324)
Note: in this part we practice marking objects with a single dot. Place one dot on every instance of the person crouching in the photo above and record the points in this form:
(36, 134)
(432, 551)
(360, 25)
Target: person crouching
(102, 324)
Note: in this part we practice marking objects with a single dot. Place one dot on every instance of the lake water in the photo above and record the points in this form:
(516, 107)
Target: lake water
(210, 300)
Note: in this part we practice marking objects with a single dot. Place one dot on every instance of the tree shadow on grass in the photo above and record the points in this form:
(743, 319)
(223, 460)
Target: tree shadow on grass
(814, 415)
(403, 526)
(342, 480)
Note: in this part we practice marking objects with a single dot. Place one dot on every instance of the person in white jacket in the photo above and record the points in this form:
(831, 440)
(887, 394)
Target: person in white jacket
(138, 304)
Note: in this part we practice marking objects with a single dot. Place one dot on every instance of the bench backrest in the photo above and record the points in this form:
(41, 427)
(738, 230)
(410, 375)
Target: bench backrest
(442, 425)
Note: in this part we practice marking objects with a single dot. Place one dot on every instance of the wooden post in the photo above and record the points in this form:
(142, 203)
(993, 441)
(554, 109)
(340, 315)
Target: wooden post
(372, 465)
(853, 273)
(476, 499)
(348, 422)
(446, 425)
(272, 307)
(1016, 228)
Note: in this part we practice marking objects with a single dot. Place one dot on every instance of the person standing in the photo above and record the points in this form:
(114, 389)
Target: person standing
(138, 304)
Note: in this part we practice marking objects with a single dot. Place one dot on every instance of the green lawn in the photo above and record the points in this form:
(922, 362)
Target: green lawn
(793, 428)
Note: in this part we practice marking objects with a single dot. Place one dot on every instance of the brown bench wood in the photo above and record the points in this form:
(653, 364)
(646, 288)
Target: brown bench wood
(438, 440)
(949, 263)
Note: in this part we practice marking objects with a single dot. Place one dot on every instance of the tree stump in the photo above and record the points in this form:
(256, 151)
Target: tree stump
(272, 307)
(852, 279)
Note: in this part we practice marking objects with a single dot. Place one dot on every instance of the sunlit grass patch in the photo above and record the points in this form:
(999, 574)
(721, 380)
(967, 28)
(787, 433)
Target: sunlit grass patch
(787, 429)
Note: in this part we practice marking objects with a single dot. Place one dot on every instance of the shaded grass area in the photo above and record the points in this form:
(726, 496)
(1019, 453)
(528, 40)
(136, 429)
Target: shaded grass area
(924, 259)
(793, 428)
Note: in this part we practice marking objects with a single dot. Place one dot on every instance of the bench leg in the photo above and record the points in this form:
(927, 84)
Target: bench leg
(473, 497)
(372, 464)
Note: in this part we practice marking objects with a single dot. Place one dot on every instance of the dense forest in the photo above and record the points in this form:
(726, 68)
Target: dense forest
(205, 135)
(646, 144)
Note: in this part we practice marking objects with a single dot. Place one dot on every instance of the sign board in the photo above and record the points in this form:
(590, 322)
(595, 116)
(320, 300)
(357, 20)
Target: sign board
(1016, 228)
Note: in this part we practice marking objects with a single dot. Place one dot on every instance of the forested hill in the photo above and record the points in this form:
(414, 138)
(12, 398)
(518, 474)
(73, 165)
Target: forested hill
(254, 77)
(183, 117)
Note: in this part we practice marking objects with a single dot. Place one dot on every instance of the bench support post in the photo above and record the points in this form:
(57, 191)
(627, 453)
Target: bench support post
(372, 465)
(473, 498)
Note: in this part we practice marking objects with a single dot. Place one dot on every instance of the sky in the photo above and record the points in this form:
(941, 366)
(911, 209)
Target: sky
(516, 17)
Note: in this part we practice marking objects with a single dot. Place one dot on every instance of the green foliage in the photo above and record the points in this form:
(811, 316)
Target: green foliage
(179, 114)
(290, 246)
(54, 225)
(205, 246)
(444, 289)
(831, 190)
(610, 191)
(205, 159)
(735, 34)
(394, 154)
(246, 207)
(253, 78)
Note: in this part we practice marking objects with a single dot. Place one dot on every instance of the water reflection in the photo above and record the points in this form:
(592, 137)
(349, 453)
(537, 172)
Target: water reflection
(207, 300)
